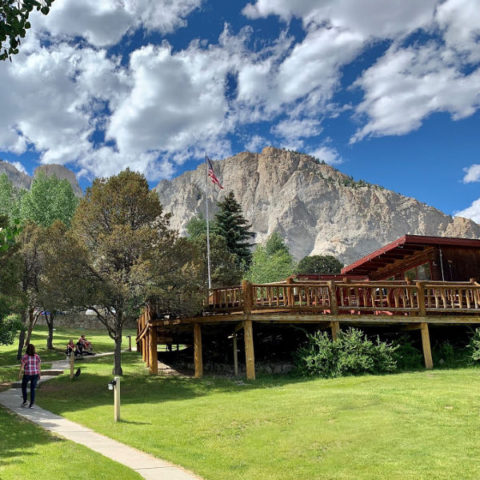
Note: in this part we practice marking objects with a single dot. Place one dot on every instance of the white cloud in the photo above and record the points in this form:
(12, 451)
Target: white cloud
(294, 128)
(472, 212)
(18, 166)
(104, 23)
(256, 143)
(327, 154)
(472, 174)
(408, 84)
(460, 20)
(367, 18)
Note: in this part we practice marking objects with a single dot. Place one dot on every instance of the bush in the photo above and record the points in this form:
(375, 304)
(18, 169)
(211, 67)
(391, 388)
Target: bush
(352, 353)
(474, 346)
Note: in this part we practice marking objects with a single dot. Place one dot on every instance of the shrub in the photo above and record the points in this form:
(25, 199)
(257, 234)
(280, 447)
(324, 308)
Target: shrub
(352, 353)
(474, 346)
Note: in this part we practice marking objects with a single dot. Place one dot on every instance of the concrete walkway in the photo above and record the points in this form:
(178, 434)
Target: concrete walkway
(149, 467)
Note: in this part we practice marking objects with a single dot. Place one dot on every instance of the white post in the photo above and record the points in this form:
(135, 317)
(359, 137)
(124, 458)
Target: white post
(208, 227)
(116, 399)
(72, 363)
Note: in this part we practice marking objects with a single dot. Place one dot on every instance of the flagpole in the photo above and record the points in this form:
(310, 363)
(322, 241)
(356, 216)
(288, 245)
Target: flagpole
(208, 227)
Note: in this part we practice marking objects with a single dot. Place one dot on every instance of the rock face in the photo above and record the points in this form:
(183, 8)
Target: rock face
(18, 178)
(316, 208)
(22, 180)
(62, 173)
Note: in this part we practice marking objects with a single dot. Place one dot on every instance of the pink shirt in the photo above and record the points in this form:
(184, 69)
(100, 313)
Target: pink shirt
(31, 364)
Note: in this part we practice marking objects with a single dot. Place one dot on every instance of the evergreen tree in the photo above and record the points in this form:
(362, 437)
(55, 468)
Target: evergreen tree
(231, 225)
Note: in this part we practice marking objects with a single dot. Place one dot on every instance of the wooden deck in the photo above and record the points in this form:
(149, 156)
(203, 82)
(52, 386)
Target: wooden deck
(329, 303)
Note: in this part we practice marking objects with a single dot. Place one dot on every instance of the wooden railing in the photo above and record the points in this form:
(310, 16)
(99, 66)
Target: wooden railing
(387, 297)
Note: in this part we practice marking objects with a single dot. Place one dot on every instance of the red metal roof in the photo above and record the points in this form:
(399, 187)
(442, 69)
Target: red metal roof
(400, 247)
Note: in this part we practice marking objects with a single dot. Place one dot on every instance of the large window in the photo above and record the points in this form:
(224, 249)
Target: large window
(421, 272)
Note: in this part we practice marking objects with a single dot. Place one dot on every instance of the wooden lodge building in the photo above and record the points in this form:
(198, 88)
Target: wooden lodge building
(411, 283)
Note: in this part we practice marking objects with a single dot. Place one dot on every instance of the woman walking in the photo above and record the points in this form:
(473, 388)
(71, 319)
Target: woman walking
(31, 373)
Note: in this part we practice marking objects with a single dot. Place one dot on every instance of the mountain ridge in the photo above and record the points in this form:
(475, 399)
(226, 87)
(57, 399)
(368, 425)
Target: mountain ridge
(24, 181)
(315, 207)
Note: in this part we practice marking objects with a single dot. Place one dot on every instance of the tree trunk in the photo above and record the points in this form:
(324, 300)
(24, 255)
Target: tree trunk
(117, 369)
(32, 320)
(21, 342)
(49, 319)
(21, 337)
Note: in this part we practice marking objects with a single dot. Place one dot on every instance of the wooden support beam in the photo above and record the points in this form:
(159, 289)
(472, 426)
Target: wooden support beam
(249, 351)
(335, 326)
(197, 350)
(235, 354)
(333, 298)
(153, 351)
(421, 299)
(427, 352)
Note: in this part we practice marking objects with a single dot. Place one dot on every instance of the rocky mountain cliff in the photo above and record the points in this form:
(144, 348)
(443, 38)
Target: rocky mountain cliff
(22, 180)
(316, 208)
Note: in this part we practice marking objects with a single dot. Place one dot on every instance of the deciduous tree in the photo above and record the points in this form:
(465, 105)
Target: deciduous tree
(271, 262)
(326, 264)
(14, 22)
(49, 199)
(119, 255)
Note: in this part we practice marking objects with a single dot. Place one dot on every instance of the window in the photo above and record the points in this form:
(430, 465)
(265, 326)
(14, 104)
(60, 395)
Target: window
(421, 272)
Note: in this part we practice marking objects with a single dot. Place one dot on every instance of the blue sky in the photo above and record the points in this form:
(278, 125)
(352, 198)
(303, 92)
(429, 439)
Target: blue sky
(388, 92)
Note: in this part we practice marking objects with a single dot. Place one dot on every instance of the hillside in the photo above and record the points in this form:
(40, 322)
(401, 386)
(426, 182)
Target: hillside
(316, 208)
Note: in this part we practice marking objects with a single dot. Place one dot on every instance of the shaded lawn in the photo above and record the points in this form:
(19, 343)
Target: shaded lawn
(101, 341)
(408, 426)
(27, 452)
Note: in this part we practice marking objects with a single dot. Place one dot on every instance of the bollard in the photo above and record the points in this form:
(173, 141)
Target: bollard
(115, 386)
(129, 343)
(72, 364)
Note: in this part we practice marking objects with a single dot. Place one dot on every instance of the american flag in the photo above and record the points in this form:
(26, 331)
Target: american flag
(212, 175)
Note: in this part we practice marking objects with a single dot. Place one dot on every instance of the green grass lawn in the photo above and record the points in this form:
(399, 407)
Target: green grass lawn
(29, 453)
(99, 338)
(421, 425)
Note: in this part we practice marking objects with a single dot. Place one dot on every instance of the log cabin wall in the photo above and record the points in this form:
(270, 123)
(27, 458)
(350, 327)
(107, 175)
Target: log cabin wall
(459, 264)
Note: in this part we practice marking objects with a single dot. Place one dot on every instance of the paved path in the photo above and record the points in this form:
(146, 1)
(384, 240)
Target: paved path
(149, 467)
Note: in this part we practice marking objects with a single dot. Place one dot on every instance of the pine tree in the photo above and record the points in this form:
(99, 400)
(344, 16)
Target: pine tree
(231, 225)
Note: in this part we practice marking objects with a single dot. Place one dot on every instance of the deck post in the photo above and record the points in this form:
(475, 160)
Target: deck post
(247, 296)
(235, 354)
(153, 351)
(421, 299)
(427, 352)
(290, 296)
(249, 351)
(335, 326)
(146, 344)
(197, 350)
(333, 298)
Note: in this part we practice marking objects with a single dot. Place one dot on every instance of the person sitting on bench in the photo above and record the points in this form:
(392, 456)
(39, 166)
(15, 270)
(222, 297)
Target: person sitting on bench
(71, 348)
(84, 346)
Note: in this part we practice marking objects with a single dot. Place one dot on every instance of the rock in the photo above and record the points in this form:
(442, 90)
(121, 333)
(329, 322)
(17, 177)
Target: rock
(317, 209)
(23, 181)
(62, 173)
(19, 179)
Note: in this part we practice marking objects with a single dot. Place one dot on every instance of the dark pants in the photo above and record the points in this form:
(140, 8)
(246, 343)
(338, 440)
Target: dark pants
(33, 379)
